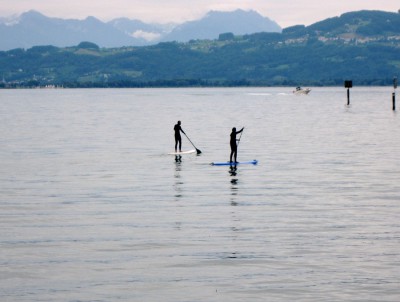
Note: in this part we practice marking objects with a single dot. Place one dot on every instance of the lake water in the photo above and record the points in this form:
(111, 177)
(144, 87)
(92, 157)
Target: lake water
(92, 208)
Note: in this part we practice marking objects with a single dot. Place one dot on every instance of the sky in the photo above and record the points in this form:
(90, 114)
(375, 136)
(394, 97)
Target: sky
(284, 12)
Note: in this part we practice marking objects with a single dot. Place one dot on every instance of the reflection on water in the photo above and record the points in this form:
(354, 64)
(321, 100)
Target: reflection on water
(177, 177)
(233, 170)
(234, 184)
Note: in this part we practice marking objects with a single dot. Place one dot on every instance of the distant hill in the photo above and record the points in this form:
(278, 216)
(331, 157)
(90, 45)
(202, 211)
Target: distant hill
(362, 46)
(362, 23)
(33, 29)
(352, 25)
(239, 22)
(144, 33)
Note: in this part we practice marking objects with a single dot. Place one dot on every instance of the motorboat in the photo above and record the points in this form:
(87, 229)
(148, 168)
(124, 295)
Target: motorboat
(300, 90)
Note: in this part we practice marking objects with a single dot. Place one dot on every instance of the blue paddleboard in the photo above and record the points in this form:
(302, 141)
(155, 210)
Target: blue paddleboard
(227, 163)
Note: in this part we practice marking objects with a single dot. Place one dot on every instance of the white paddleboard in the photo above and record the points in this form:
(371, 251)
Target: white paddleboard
(183, 152)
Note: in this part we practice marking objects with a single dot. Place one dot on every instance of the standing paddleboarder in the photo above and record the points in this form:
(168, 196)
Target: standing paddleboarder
(233, 144)
(178, 138)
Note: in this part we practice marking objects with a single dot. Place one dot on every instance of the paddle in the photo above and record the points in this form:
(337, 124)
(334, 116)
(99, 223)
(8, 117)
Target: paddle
(197, 150)
(237, 146)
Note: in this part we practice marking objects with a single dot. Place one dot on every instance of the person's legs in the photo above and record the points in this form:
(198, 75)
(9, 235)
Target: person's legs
(233, 152)
(178, 143)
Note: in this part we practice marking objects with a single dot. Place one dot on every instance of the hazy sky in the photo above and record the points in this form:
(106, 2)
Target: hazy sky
(284, 12)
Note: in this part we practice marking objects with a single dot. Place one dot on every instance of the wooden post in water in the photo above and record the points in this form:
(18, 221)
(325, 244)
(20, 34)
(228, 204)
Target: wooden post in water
(394, 93)
(348, 96)
(348, 85)
(394, 101)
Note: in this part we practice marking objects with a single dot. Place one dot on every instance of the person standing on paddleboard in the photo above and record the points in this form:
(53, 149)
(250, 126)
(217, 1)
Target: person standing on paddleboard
(178, 138)
(233, 144)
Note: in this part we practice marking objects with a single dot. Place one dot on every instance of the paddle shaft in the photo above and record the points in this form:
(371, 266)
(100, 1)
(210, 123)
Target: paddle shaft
(197, 150)
(237, 146)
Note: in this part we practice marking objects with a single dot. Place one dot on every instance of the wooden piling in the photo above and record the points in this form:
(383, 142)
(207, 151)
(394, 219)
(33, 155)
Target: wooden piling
(348, 84)
(394, 93)
(348, 96)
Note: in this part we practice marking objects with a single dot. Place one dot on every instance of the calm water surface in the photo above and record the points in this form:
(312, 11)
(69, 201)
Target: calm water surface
(92, 208)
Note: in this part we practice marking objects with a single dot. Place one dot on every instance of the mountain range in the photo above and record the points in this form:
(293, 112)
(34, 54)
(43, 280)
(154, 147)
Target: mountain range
(33, 28)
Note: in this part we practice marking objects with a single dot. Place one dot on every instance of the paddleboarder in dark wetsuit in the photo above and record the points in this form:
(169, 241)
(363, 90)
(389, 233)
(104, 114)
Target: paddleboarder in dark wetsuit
(233, 144)
(178, 138)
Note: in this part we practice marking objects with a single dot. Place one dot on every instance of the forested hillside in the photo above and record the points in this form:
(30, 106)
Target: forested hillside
(362, 46)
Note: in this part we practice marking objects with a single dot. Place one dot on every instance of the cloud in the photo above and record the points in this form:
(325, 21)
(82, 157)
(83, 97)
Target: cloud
(148, 36)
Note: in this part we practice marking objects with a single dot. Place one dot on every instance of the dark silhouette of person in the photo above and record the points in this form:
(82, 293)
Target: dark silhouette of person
(233, 144)
(178, 138)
